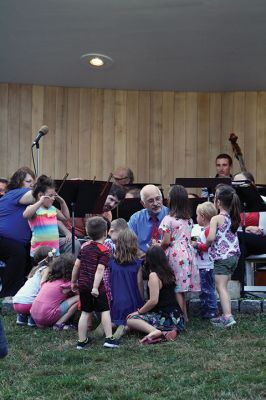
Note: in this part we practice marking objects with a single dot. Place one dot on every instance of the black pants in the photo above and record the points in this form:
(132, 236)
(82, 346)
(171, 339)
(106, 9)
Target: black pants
(249, 244)
(17, 259)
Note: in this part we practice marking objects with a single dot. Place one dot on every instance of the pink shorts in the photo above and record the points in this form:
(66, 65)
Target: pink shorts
(22, 308)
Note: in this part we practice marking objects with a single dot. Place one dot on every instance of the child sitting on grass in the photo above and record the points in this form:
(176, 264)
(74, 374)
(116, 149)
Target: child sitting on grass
(56, 304)
(24, 298)
(126, 280)
(87, 277)
(208, 301)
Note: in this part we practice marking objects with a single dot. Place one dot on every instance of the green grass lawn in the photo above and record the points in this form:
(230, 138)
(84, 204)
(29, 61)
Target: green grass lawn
(203, 363)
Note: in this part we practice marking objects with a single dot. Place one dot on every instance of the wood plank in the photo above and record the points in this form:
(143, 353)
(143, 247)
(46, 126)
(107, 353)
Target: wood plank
(215, 131)
(250, 137)
(73, 98)
(203, 134)
(156, 137)
(25, 132)
(143, 156)
(120, 128)
(13, 149)
(239, 124)
(97, 133)
(47, 143)
(84, 133)
(132, 130)
(179, 135)
(191, 135)
(168, 173)
(37, 113)
(227, 123)
(4, 130)
(108, 132)
(261, 134)
(61, 133)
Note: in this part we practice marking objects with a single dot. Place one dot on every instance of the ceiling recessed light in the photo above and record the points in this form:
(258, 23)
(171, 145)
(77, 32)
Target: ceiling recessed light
(96, 61)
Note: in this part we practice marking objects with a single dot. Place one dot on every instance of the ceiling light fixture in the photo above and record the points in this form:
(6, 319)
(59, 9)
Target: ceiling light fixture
(96, 61)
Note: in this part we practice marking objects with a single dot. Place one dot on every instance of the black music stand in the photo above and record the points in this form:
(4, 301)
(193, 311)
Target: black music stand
(83, 197)
(126, 208)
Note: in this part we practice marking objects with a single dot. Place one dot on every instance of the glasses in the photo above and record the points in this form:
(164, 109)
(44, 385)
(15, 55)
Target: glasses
(120, 179)
(157, 199)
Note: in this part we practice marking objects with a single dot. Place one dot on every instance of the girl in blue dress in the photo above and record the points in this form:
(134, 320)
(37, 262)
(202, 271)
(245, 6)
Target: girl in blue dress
(126, 280)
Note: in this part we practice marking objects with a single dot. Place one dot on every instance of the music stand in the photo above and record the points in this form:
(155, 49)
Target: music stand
(126, 208)
(83, 197)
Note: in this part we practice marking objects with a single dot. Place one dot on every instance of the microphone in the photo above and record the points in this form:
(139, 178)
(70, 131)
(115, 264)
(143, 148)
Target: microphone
(43, 131)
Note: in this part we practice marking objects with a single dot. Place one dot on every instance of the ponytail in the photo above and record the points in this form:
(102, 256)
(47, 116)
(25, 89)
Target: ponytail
(235, 213)
(230, 200)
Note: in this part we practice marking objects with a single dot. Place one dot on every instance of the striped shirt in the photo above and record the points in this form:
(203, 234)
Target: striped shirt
(44, 229)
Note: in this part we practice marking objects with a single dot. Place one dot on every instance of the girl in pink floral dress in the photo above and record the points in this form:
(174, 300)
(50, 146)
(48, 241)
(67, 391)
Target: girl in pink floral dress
(176, 232)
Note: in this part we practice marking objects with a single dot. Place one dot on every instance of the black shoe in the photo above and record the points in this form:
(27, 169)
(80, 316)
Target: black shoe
(111, 343)
(81, 345)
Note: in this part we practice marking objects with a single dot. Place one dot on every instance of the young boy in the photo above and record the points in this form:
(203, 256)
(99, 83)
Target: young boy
(205, 212)
(87, 277)
(117, 225)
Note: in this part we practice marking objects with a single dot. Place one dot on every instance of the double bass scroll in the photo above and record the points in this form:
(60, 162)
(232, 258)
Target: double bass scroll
(237, 151)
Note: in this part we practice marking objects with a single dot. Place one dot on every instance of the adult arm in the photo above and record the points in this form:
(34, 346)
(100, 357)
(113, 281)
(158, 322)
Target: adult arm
(27, 198)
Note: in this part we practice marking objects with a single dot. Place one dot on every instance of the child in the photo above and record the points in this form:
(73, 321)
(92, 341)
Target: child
(87, 277)
(224, 247)
(24, 298)
(55, 304)
(43, 216)
(126, 278)
(117, 225)
(176, 230)
(205, 212)
(160, 317)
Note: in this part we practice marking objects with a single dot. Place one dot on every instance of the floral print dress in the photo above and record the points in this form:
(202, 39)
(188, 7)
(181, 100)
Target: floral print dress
(180, 253)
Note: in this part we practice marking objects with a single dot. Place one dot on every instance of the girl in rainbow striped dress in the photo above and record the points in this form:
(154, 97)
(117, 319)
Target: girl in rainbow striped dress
(43, 216)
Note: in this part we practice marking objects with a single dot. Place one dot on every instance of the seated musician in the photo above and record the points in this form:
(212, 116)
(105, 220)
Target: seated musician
(123, 176)
(224, 164)
(145, 223)
(115, 196)
(253, 241)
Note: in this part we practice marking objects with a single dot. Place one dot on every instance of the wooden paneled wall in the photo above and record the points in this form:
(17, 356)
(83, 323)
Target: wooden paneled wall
(160, 135)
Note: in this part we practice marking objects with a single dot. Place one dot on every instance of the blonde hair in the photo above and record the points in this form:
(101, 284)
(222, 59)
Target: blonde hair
(126, 247)
(207, 209)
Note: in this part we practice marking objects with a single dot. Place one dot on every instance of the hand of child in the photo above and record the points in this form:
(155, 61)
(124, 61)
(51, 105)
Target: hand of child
(74, 287)
(95, 292)
(194, 243)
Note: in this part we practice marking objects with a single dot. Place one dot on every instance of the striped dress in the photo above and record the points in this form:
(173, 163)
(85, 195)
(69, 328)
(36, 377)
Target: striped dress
(44, 229)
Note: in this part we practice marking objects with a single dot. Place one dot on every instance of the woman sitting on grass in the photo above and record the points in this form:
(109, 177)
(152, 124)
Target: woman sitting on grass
(160, 317)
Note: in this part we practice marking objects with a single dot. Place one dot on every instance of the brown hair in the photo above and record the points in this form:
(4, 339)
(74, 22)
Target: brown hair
(16, 180)
(178, 202)
(61, 268)
(230, 201)
(126, 247)
(96, 227)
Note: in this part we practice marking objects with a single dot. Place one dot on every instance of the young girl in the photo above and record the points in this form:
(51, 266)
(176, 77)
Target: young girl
(24, 298)
(176, 231)
(56, 303)
(126, 278)
(160, 317)
(224, 247)
(42, 215)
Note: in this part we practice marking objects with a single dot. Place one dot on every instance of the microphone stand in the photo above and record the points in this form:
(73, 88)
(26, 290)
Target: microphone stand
(38, 158)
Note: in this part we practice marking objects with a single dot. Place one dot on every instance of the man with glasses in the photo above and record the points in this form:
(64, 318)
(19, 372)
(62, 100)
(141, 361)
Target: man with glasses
(145, 222)
(123, 176)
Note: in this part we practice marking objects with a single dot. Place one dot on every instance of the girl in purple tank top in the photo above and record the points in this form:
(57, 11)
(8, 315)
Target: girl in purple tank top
(224, 248)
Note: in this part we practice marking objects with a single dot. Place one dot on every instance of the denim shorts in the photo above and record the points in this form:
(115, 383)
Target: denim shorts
(225, 267)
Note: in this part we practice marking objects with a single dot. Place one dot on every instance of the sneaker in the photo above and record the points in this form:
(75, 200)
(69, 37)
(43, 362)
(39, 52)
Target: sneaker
(31, 322)
(22, 319)
(82, 345)
(111, 343)
(223, 322)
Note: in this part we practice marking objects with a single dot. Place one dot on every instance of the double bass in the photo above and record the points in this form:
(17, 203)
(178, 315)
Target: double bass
(237, 151)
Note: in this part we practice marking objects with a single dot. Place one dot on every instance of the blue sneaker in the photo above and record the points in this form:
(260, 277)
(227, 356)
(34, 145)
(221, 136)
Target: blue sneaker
(223, 322)
(31, 322)
(22, 319)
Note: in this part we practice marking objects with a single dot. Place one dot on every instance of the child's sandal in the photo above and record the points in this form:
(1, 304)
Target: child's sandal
(59, 327)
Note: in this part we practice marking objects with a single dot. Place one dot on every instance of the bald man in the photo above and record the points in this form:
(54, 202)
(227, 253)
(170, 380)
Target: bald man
(143, 221)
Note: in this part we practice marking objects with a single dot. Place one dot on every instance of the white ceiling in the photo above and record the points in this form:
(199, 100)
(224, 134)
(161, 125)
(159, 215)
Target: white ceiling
(182, 45)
